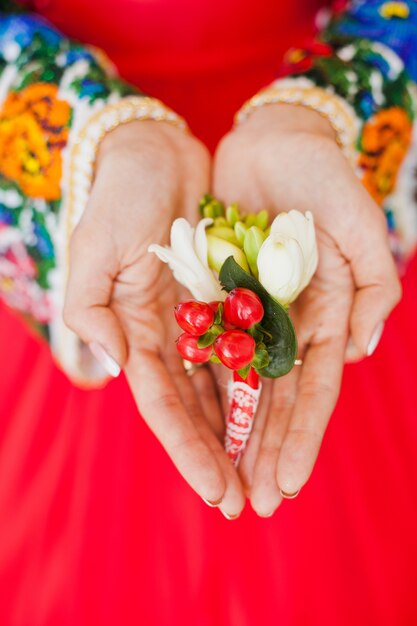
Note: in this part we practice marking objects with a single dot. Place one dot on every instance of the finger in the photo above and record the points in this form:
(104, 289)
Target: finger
(376, 279)
(223, 378)
(265, 495)
(233, 500)
(161, 407)
(207, 393)
(317, 393)
(87, 311)
(352, 353)
(199, 396)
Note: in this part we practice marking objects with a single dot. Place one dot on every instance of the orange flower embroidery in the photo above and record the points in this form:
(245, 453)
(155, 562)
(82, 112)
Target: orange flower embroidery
(385, 140)
(33, 131)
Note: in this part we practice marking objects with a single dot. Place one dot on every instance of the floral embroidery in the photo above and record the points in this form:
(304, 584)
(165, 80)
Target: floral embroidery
(393, 24)
(299, 60)
(367, 54)
(18, 271)
(385, 140)
(47, 81)
(34, 127)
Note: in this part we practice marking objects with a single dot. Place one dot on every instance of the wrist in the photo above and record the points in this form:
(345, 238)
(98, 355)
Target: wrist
(131, 138)
(288, 118)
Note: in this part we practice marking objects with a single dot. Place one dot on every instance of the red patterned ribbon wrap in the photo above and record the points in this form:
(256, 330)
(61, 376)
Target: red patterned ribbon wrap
(243, 401)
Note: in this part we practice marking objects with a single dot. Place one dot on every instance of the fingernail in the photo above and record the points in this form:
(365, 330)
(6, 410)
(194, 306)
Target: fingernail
(104, 359)
(289, 496)
(212, 502)
(227, 516)
(375, 338)
(350, 346)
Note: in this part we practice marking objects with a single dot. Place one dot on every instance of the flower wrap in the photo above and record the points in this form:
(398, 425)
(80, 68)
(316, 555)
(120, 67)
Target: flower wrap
(243, 404)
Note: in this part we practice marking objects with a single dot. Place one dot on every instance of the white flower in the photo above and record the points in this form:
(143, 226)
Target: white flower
(187, 258)
(11, 51)
(11, 198)
(288, 258)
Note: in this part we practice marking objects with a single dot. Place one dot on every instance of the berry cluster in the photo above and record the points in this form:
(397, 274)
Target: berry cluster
(224, 332)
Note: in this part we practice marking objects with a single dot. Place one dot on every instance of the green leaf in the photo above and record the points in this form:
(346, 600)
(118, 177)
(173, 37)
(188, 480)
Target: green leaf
(215, 359)
(261, 358)
(244, 371)
(280, 339)
(219, 314)
(265, 332)
(210, 336)
(256, 333)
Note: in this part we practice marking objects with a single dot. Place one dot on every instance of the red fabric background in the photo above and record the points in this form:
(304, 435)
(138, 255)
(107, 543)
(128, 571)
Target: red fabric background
(96, 527)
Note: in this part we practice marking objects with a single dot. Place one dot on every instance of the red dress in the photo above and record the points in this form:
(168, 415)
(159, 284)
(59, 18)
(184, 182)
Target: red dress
(96, 526)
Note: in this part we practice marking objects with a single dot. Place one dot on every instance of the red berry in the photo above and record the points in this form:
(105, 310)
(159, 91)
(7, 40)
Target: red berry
(252, 379)
(214, 304)
(189, 350)
(243, 308)
(235, 349)
(194, 317)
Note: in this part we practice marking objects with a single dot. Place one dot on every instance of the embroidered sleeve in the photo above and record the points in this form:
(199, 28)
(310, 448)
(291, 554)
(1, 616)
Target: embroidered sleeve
(49, 88)
(365, 54)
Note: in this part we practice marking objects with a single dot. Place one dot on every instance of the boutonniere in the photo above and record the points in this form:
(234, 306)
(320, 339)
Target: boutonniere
(243, 274)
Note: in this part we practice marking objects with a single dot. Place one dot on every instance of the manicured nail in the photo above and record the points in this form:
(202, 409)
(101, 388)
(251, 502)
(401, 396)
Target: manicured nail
(104, 359)
(375, 339)
(227, 516)
(212, 502)
(289, 496)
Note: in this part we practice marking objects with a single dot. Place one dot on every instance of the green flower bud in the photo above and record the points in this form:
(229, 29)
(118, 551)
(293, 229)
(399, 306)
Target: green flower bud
(208, 211)
(261, 220)
(250, 220)
(218, 208)
(210, 207)
(240, 232)
(205, 200)
(223, 232)
(232, 214)
(254, 239)
(219, 250)
(221, 221)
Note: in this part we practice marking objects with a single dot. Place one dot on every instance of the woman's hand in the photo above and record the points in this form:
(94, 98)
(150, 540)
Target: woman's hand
(281, 158)
(120, 298)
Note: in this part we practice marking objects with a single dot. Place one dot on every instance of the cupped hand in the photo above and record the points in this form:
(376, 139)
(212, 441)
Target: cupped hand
(120, 298)
(281, 158)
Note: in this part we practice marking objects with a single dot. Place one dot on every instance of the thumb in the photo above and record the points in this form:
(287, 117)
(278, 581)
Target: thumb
(378, 285)
(93, 268)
